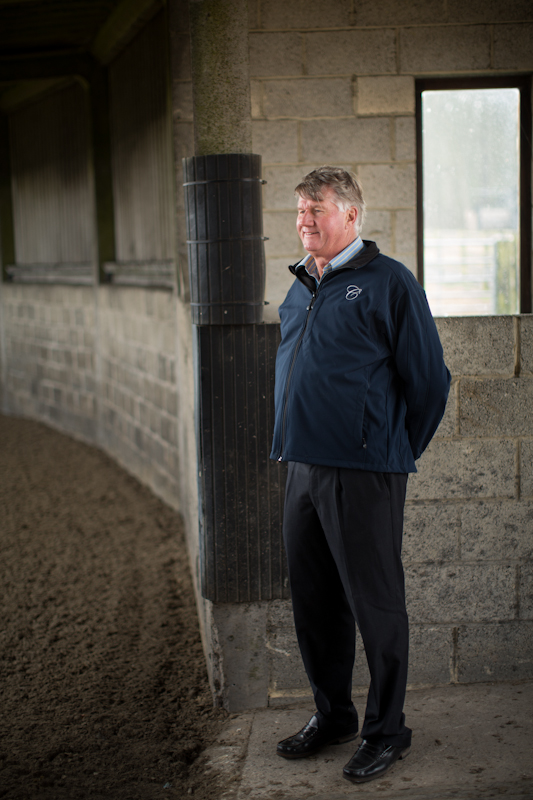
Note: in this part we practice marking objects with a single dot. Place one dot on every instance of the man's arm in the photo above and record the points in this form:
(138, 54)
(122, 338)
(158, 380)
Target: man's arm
(420, 363)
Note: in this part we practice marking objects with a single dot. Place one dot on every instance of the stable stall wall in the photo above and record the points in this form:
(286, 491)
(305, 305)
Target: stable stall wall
(102, 351)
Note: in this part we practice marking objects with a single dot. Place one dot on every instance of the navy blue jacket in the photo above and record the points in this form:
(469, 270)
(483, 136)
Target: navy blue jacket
(360, 377)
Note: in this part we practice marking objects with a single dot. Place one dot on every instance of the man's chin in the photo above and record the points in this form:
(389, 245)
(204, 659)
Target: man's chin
(311, 244)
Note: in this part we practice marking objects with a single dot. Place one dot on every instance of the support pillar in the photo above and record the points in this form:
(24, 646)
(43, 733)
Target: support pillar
(241, 558)
(220, 75)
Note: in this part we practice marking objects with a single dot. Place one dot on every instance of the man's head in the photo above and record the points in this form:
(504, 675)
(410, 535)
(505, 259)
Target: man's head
(331, 211)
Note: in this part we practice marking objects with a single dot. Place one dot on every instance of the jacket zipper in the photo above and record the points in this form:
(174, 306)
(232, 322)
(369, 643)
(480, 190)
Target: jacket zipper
(294, 355)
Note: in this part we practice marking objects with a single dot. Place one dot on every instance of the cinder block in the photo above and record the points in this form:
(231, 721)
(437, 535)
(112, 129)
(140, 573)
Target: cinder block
(278, 193)
(167, 339)
(239, 631)
(448, 425)
(393, 94)
(389, 185)
(461, 592)
(279, 614)
(444, 49)
(499, 531)
(526, 344)
(409, 12)
(497, 652)
(430, 654)
(286, 670)
(496, 407)
(488, 10)
(405, 139)
(306, 97)
(431, 533)
(275, 54)
(301, 14)
(346, 141)
(280, 227)
(526, 468)
(278, 283)
(168, 431)
(478, 345)
(512, 46)
(378, 228)
(256, 99)
(253, 14)
(370, 52)
(275, 140)
(465, 469)
(170, 401)
(405, 232)
(165, 307)
(525, 591)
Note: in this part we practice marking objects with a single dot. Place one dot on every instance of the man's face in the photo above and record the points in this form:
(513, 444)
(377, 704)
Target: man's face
(324, 229)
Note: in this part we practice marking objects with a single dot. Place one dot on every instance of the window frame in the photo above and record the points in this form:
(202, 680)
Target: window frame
(523, 84)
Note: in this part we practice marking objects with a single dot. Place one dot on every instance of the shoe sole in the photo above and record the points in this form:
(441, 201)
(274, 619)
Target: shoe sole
(379, 775)
(340, 740)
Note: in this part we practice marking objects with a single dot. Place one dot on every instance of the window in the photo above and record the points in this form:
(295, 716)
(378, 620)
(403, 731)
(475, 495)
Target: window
(474, 195)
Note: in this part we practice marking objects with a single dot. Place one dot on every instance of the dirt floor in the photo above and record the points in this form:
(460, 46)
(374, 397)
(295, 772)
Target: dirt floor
(103, 687)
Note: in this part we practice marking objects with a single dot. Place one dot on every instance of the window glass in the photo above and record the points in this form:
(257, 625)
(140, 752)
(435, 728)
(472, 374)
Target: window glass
(470, 152)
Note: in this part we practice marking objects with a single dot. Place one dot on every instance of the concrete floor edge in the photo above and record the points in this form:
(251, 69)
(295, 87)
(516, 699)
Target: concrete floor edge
(470, 742)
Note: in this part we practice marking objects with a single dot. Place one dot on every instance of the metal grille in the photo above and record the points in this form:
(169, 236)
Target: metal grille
(241, 490)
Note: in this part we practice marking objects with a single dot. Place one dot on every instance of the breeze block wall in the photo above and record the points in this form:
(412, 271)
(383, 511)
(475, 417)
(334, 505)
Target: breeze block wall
(138, 384)
(100, 364)
(49, 355)
(335, 83)
(468, 540)
(469, 524)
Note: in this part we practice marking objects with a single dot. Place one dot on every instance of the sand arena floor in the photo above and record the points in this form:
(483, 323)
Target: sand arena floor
(103, 686)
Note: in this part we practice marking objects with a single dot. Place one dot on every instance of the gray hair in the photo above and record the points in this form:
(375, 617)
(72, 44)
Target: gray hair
(346, 187)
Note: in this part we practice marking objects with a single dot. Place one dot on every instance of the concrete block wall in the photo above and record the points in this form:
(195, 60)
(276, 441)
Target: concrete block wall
(468, 541)
(137, 339)
(49, 355)
(101, 364)
(469, 521)
(335, 83)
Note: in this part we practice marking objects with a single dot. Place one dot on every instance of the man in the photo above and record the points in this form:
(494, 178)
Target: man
(361, 387)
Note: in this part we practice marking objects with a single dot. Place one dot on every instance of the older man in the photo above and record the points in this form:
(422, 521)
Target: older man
(361, 387)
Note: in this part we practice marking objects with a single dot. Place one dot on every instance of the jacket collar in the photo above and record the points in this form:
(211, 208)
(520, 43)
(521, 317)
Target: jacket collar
(364, 257)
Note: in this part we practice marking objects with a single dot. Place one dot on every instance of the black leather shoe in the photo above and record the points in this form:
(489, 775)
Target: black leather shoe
(372, 761)
(311, 739)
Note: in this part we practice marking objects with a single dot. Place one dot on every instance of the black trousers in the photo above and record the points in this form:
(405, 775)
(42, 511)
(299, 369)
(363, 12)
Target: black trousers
(343, 536)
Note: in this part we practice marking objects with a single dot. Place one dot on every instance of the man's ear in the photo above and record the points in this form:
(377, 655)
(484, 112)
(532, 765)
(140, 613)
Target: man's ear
(351, 215)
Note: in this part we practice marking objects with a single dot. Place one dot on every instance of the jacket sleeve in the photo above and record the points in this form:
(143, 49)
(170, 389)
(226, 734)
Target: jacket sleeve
(420, 364)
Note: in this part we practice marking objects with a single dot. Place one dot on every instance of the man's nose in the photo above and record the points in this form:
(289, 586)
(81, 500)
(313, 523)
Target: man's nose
(306, 219)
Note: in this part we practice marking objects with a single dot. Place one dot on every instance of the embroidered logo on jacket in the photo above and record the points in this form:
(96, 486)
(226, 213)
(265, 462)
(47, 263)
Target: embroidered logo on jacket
(352, 292)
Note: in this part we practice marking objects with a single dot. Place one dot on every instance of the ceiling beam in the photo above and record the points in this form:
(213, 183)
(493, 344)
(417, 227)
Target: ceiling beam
(121, 26)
